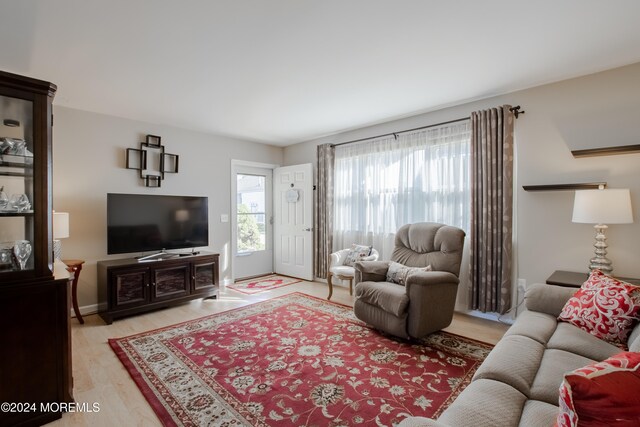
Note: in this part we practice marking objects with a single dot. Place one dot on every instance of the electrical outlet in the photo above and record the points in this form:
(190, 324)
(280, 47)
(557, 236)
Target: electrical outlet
(224, 218)
(522, 285)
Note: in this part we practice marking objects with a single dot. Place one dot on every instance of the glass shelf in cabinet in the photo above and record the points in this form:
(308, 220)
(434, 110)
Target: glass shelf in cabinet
(14, 213)
(16, 160)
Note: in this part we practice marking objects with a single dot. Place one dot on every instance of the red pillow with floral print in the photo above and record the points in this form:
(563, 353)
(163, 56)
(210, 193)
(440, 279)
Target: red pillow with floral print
(602, 394)
(604, 307)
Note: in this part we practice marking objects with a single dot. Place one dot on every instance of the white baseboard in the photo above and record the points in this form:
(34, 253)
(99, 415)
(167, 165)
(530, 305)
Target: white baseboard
(86, 310)
(505, 318)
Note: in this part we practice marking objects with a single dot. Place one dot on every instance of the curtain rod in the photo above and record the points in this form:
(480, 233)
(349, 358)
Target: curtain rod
(516, 111)
(402, 131)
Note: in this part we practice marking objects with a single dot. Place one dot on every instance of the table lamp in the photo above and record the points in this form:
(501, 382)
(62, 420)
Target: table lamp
(60, 231)
(611, 206)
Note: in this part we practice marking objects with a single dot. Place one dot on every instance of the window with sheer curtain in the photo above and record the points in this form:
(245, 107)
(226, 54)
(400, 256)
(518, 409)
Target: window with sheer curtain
(384, 183)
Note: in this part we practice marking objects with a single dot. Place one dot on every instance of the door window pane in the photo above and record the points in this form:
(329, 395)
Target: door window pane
(251, 206)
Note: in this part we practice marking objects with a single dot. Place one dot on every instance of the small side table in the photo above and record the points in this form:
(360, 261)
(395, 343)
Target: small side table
(75, 266)
(575, 280)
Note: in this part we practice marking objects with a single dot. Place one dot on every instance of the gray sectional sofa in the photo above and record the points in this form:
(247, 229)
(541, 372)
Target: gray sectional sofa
(517, 385)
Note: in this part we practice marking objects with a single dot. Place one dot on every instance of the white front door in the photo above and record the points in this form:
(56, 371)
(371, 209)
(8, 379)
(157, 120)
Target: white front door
(252, 231)
(293, 214)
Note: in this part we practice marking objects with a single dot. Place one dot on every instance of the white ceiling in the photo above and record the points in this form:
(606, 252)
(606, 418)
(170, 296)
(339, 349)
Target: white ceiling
(285, 71)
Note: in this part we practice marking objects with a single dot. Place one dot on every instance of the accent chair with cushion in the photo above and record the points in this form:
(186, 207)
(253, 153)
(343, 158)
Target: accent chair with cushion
(341, 264)
(423, 300)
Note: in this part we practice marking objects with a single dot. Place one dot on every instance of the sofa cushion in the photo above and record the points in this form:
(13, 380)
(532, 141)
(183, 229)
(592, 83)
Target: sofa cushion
(535, 325)
(634, 339)
(343, 270)
(513, 361)
(390, 297)
(538, 414)
(549, 299)
(420, 422)
(574, 340)
(553, 366)
(605, 307)
(600, 393)
(485, 403)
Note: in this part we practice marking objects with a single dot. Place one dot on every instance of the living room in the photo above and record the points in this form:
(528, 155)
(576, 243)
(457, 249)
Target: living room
(589, 102)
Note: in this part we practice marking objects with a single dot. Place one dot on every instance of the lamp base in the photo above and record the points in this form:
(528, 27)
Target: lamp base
(57, 249)
(600, 261)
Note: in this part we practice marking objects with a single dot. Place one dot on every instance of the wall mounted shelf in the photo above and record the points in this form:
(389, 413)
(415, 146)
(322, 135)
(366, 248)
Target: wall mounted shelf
(564, 187)
(151, 161)
(607, 151)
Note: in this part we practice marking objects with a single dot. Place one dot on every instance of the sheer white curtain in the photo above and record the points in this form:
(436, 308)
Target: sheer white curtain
(382, 184)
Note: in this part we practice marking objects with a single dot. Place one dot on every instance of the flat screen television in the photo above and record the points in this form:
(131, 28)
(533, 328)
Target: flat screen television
(144, 223)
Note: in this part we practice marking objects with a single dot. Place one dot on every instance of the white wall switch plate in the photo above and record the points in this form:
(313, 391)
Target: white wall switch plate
(224, 218)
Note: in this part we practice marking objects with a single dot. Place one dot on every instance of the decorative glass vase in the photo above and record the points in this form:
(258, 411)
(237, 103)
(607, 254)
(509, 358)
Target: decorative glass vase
(22, 251)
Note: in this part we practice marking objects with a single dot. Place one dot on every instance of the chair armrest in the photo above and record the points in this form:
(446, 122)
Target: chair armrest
(337, 258)
(432, 298)
(430, 278)
(371, 271)
(549, 299)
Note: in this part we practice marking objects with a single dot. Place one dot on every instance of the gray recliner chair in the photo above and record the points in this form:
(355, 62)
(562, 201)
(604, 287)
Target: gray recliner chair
(424, 304)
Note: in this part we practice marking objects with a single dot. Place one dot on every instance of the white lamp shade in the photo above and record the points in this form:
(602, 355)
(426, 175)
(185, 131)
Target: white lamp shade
(60, 225)
(610, 206)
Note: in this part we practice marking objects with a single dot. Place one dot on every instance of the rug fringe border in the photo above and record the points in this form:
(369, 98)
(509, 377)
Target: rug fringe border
(158, 408)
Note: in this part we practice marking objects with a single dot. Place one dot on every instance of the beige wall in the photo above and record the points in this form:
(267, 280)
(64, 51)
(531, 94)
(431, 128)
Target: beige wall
(597, 110)
(89, 162)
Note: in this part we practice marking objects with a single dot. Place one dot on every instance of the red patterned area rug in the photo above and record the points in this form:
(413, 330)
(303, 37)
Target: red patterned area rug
(294, 360)
(260, 284)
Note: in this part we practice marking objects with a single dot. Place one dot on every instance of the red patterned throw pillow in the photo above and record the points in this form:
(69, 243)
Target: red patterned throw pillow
(602, 394)
(604, 307)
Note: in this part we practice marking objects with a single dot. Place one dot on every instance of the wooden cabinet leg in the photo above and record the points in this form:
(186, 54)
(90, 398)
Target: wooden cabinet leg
(330, 286)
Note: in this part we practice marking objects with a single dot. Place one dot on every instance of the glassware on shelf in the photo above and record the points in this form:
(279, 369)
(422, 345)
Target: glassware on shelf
(13, 146)
(22, 251)
(4, 199)
(18, 203)
(6, 144)
(6, 256)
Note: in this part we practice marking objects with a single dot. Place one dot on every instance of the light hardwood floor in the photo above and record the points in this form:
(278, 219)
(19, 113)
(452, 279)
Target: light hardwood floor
(99, 377)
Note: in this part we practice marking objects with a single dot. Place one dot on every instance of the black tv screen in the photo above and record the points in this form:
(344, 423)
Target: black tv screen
(141, 223)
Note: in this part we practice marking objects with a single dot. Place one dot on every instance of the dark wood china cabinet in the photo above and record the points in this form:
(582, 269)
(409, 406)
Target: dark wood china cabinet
(35, 355)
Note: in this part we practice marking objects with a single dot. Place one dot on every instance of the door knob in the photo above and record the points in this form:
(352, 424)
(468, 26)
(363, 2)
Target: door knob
(308, 229)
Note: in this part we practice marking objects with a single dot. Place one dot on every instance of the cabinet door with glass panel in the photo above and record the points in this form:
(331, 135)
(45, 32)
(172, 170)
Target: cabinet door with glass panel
(25, 178)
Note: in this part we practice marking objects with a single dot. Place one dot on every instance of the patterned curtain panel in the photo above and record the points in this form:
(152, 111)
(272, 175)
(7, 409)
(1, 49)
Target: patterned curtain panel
(491, 208)
(323, 227)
